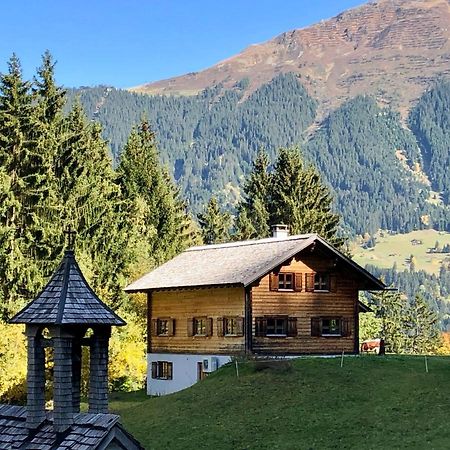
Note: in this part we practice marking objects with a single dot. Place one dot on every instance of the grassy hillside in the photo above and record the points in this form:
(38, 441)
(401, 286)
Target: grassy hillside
(390, 249)
(372, 402)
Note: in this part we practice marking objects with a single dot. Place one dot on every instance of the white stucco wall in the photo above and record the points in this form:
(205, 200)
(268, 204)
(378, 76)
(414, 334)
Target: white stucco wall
(184, 371)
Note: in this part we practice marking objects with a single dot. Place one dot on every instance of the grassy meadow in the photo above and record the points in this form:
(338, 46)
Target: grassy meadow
(309, 403)
(390, 249)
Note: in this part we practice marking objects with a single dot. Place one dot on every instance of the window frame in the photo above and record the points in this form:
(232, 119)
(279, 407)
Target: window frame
(159, 322)
(162, 370)
(196, 321)
(234, 326)
(282, 282)
(330, 334)
(323, 279)
(345, 327)
(277, 318)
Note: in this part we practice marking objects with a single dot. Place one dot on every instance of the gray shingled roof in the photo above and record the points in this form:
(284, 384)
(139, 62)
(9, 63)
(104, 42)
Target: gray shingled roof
(235, 263)
(67, 299)
(88, 431)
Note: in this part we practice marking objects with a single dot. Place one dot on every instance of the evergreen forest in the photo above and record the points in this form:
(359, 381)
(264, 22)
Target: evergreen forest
(384, 171)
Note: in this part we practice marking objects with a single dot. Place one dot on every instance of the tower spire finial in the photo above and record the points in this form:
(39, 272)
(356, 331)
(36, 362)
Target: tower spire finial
(70, 237)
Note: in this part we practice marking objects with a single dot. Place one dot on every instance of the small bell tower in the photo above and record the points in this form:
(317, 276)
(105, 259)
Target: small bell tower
(67, 308)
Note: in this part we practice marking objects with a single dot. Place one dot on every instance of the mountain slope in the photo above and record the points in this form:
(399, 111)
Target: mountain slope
(391, 48)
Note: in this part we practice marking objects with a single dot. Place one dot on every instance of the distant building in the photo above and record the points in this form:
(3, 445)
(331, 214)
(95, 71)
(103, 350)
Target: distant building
(271, 297)
(66, 309)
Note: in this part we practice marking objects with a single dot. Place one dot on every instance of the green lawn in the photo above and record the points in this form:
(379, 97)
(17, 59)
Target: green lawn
(397, 248)
(371, 403)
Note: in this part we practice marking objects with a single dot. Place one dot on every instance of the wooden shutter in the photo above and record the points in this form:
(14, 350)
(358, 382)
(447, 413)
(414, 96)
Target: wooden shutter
(154, 370)
(154, 327)
(261, 326)
(171, 327)
(209, 326)
(169, 370)
(220, 327)
(333, 282)
(309, 282)
(315, 326)
(190, 327)
(345, 327)
(240, 326)
(273, 282)
(298, 280)
(292, 326)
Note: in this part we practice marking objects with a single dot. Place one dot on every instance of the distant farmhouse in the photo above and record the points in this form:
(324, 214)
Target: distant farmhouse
(275, 297)
(59, 318)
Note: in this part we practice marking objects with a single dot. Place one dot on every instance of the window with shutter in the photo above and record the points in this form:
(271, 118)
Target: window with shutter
(292, 326)
(346, 327)
(315, 326)
(220, 327)
(260, 326)
(154, 327)
(298, 277)
(239, 326)
(190, 327)
(309, 282)
(171, 327)
(209, 326)
(333, 282)
(273, 282)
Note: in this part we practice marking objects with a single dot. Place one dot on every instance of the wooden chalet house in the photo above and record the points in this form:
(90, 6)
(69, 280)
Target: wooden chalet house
(285, 295)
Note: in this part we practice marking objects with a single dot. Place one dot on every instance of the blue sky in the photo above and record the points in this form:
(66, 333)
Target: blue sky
(126, 43)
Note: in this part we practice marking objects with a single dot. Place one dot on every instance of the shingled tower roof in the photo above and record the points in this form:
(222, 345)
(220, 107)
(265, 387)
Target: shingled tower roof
(67, 300)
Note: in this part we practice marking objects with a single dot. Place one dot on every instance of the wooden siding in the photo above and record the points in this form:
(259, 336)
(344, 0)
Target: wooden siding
(342, 302)
(183, 305)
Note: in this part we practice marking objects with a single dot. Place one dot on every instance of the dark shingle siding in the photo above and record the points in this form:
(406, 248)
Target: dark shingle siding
(67, 299)
(87, 432)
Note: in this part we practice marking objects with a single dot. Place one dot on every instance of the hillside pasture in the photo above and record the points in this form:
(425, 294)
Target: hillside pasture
(397, 248)
(311, 403)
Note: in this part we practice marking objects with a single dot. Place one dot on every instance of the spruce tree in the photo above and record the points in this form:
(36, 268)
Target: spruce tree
(253, 211)
(91, 203)
(19, 273)
(157, 219)
(422, 333)
(298, 198)
(215, 224)
(389, 306)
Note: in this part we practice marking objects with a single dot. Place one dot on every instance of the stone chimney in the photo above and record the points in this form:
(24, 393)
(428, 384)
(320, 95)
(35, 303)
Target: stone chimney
(280, 231)
(67, 308)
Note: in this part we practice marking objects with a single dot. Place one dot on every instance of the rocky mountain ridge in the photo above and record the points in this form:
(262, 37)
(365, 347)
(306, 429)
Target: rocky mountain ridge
(393, 49)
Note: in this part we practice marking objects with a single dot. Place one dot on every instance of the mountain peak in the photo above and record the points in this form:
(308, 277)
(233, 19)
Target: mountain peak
(392, 49)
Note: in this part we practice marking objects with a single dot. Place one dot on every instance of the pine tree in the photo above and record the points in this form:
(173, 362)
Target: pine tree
(298, 198)
(215, 224)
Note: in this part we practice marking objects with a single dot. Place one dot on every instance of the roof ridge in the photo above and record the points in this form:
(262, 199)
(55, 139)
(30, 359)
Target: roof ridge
(249, 242)
(62, 298)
